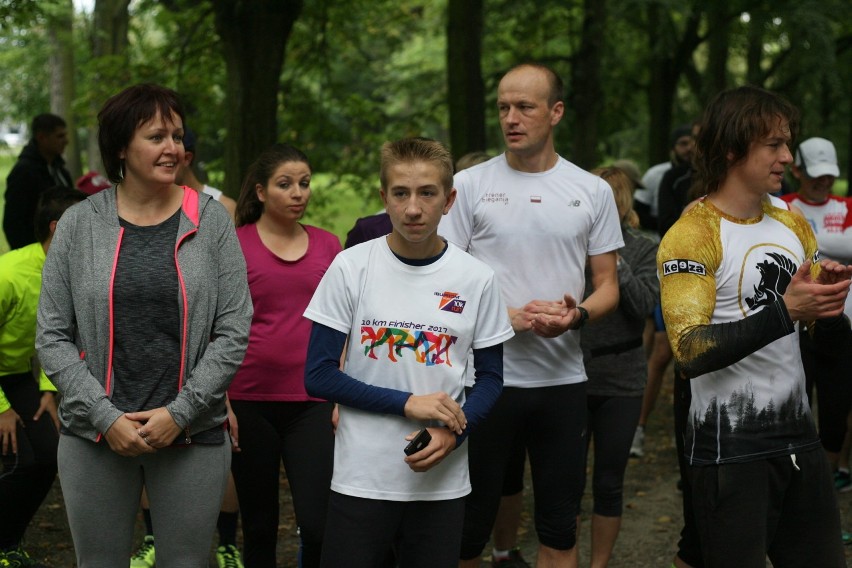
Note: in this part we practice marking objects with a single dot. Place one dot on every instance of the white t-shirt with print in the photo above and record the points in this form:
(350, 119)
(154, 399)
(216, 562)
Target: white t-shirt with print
(410, 328)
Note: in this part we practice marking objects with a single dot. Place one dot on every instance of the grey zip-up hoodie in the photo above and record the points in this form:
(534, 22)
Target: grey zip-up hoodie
(74, 337)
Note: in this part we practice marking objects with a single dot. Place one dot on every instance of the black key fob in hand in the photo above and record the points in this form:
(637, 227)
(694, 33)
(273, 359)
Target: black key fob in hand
(419, 442)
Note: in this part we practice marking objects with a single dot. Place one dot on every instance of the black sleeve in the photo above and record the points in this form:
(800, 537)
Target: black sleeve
(355, 235)
(668, 210)
(646, 221)
(324, 379)
(832, 334)
(488, 365)
(21, 202)
(720, 345)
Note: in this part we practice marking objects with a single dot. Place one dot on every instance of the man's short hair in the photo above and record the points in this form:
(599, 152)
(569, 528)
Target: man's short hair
(189, 139)
(51, 205)
(733, 120)
(417, 150)
(557, 87)
(46, 123)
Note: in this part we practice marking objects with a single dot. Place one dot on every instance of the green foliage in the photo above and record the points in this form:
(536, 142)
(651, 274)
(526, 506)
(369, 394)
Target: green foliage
(361, 72)
(23, 57)
(358, 74)
(338, 200)
(179, 47)
(16, 14)
(528, 30)
(801, 57)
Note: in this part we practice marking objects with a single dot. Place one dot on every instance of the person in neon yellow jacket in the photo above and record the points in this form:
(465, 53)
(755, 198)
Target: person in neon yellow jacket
(28, 419)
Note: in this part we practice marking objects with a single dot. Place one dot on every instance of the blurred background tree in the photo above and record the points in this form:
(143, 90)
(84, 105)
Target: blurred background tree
(338, 78)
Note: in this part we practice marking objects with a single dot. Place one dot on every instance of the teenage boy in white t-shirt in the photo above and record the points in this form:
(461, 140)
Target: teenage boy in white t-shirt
(412, 307)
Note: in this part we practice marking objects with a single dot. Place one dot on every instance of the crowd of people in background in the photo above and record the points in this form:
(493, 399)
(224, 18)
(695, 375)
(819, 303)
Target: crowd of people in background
(164, 345)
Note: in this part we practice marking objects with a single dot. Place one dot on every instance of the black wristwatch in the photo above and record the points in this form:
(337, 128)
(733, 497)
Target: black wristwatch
(584, 316)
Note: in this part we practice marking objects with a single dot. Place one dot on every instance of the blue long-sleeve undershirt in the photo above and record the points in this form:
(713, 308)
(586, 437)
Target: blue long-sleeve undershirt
(324, 379)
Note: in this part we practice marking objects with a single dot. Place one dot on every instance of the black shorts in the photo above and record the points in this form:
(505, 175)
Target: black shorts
(774, 507)
(361, 533)
(550, 423)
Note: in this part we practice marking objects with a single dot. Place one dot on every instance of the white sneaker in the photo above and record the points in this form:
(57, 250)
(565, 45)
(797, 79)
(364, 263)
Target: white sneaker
(636, 448)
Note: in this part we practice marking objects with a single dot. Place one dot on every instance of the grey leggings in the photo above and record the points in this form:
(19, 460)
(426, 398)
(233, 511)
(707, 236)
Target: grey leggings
(101, 491)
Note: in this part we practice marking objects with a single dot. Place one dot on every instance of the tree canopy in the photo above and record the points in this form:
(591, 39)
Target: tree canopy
(339, 78)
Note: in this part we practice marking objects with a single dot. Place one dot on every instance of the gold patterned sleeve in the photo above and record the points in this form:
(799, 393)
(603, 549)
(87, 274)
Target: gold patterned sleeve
(686, 262)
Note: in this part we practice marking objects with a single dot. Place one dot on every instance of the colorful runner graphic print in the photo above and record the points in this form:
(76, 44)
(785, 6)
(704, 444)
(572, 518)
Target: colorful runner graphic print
(431, 346)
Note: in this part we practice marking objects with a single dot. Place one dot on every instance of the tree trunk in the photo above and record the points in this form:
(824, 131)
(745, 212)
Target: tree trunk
(716, 78)
(465, 88)
(661, 90)
(62, 91)
(586, 82)
(110, 23)
(666, 67)
(754, 51)
(254, 36)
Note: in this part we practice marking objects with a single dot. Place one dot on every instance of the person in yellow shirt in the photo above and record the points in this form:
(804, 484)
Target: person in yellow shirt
(28, 420)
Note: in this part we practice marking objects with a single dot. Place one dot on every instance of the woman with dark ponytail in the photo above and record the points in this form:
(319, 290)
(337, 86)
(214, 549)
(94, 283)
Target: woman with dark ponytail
(278, 420)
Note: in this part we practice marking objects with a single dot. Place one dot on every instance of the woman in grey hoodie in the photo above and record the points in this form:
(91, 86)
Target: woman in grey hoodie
(143, 321)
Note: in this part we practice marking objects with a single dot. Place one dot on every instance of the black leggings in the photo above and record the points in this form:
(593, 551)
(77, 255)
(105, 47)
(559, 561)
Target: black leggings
(27, 477)
(550, 422)
(827, 363)
(513, 476)
(300, 434)
(612, 423)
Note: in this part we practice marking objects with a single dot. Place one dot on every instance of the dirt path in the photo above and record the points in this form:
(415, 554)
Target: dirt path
(648, 537)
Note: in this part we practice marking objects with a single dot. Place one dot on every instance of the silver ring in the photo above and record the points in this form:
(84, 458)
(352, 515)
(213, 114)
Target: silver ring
(143, 434)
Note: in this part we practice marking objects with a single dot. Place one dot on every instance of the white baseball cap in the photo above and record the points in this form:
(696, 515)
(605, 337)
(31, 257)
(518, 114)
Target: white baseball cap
(818, 157)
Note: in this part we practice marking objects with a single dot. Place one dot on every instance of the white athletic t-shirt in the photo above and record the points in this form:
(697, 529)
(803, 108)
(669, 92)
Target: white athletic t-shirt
(212, 192)
(410, 328)
(832, 225)
(535, 230)
(652, 180)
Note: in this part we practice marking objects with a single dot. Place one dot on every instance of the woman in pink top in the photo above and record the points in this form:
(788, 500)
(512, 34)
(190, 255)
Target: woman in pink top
(278, 420)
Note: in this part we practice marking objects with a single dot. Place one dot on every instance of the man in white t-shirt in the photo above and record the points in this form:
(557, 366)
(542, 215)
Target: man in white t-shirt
(412, 307)
(536, 218)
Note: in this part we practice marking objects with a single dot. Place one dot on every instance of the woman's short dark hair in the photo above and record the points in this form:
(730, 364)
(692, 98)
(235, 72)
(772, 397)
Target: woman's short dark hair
(733, 120)
(123, 113)
(249, 206)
